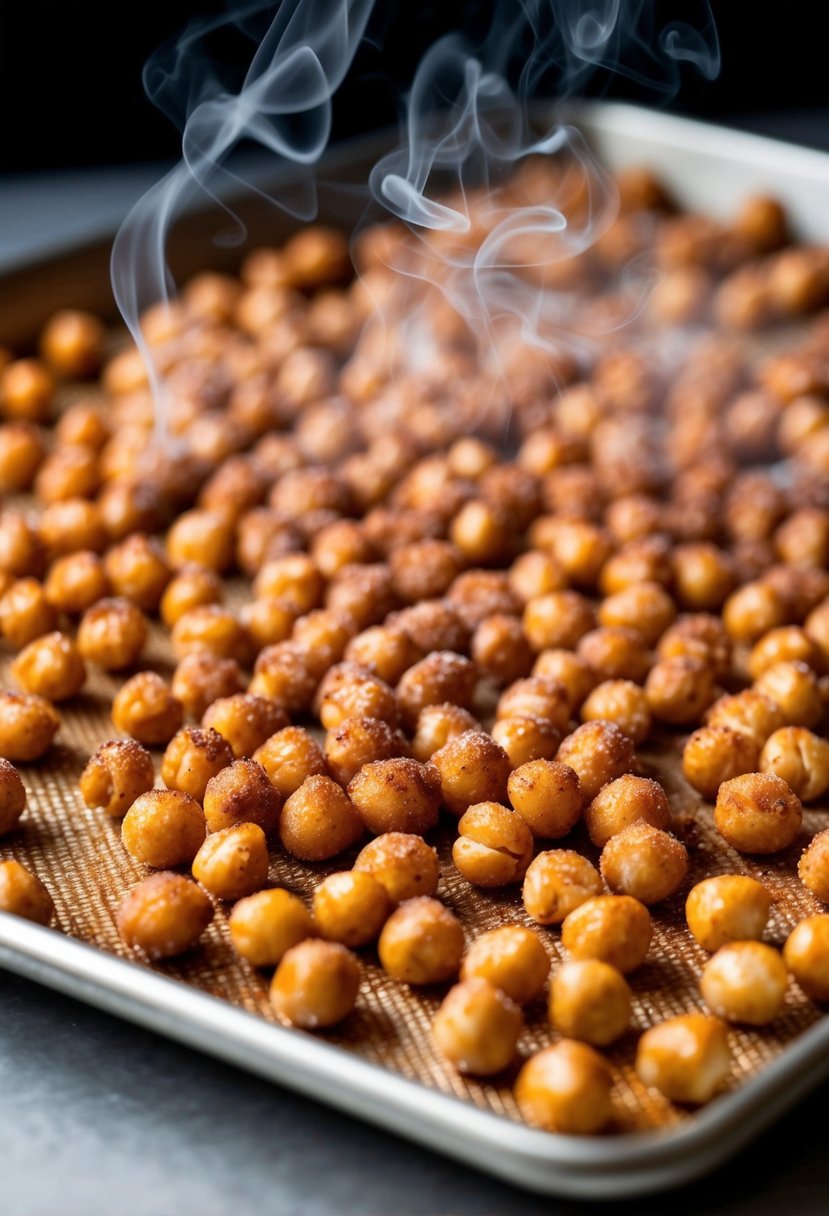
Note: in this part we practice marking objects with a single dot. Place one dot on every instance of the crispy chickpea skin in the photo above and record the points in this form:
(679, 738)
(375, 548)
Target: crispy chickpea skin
(264, 926)
(28, 724)
(163, 916)
(289, 757)
(687, 1058)
(403, 863)
(211, 629)
(436, 725)
(540, 696)
(145, 708)
(800, 757)
(806, 954)
(421, 942)
(201, 679)
(623, 703)
(351, 907)
(319, 820)
(727, 908)
(241, 793)
(511, 958)
(571, 671)
(714, 754)
(25, 613)
(315, 985)
(680, 689)
(233, 863)
(348, 691)
(556, 883)
(758, 813)
(360, 741)
(598, 752)
(477, 1027)
(624, 801)
(163, 828)
(192, 757)
(566, 1088)
(12, 797)
(116, 775)
(51, 667)
(547, 795)
(112, 634)
(441, 676)
(472, 768)
(22, 894)
(614, 928)
(645, 607)
(794, 687)
(750, 711)
(590, 1001)
(644, 862)
(76, 582)
(745, 982)
(246, 721)
(494, 845)
(397, 795)
(526, 738)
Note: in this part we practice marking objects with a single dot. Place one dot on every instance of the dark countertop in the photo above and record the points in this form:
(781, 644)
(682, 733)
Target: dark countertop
(99, 1118)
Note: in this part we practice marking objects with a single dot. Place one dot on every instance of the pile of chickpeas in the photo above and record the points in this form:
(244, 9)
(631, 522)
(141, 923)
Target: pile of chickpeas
(404, 598)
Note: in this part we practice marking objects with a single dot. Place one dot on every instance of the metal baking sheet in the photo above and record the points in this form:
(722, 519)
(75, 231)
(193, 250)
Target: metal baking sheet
(381, 1065)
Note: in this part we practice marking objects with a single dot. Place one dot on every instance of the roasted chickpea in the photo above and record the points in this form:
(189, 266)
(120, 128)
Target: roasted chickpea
(565, 1088)
(234, 862)
(472, 768)
(679, 690)
(363, 593)
(70, 525)
(536, 696)
(112, 634)
(26, 390)
(21, 453)
(264, 926)
(145, 708)
(137, 570)
(436, 725)
(25, 613)
(397, 795)
(285, 674)
(494, 845)
(315, 985)
(76, 582)
(645, 862)
(714, 754)
(193, 587)
(535, 574)
(613, 928)
(813, 867)
(22, 551)
(727, 908)
(164, 915)
(623, 802)
(581, 548)
(349, 691)
(442, 676)
(12, 797)
(750, 711)
(558, 620)
(623, 703)
(789, 643)
(758, 813)
(163, 828)
(404, 864)
(246, 721)
(816, 627)
(211, 629)
(201, 679)
(525, 738)
(477, 1028)
(386, 650)
(67, 473)
(51, 667)
(83, 424)
(360, 741)
(192, 757)
(547, 795)
(72, 342)
(800, 757)
(424, 570)
(22, 894)
(794, 687)
(241, 793)
(500, 650)
(351, 907)
(203, 537)
(645, 607)
(421, 942)
(615, 652)
(322, 636)
(598, 752)
(752, 610)
(511, 958)
(477, 594)
(319, 820)
(687, 1058)
(590, 1001)
(433, 625)
(482, 533)
(556, 882)
(116, 775)
(569, 670)
(289, 757)
(806, 954)
(745, 982)
(293, 578)
(28, 724)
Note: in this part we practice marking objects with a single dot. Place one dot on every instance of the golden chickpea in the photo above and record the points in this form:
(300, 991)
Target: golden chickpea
(25, 613)
(510, 958)
(26, 390)
(68, 473)
(385, 650)
(436, 725)
(83, 424)
(264, 926)
(482, 533)
(727, 908)
(421, 943)
(472, 768)
(700, 636)
(203, 537)
(434, 625)
(788, 643)
(163, 828)
(794, 687)
(645, 607)
(72, 342)
(319, 820)
(137, 571)
(679, 690)
(112, 634)
(192, 757)
(494, 845)
(351, 907)
(70, 525)
(163, 916)
(745, 982)
(21, 453)
(145, 708)
(500, 650)
(397, 795)
(12, 797)
(687, 1058)
(580, 548)
(424, 570)
(442, 676)
(403, 863)
(211, 629)
(752, 610)
(565, 1088)
(558, 620)
(623, 703)
(806, 954)
(800, 757)
(192, 587)
(22, 894)
(556, 883)
(750, 711)
(283, 673)
(22, 550)
(28, 724)
(547, 795)
(200, 679)
(525, 738)
(477, 1027)
(315, 985)
(645, 862)
(613, 928)
(293, 578)
(615, 652)
(352, 692)
(477, 594)
(758, 813)
(50, 667)
(233, 863)
(598, 752)
(536, 696)
(360, 741)
(813, 867)
(246, 721)
(714, 754)
(590, 1001)
(816, 626)
(241, 793)
(623, 802)
(116, 775)
(535, 574)
(569, 670)
(76, 582)
(322, 637)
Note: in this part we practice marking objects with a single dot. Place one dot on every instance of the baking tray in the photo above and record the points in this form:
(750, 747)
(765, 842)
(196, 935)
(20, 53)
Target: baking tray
(709, 168)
